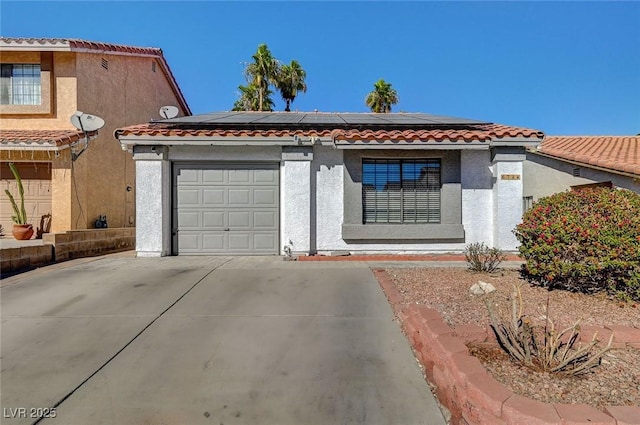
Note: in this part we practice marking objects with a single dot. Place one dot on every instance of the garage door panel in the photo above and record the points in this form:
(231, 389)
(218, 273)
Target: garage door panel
(188, 176)
(214, 242)
(240, 219)
(240, 242)
(239, 176)
(265, 242)
(189, 242)
(189, 219)
(212, 176)
(239, 197)
(213, 197)
(188, 197)
(265, 220)
(267, 177)
(265, 197)
(242, 198)
(213, 219)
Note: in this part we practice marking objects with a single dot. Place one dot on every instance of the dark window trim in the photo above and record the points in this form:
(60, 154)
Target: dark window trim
(401, 162)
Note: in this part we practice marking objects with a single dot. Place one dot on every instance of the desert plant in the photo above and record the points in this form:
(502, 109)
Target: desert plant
(543, 347)
(481, 258)
(20, 214)
(584, 241)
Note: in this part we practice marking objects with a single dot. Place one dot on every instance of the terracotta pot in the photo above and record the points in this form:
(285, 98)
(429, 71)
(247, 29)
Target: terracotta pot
(22, 232)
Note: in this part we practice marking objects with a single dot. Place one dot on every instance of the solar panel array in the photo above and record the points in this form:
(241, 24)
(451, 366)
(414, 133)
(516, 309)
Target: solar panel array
(321, 119)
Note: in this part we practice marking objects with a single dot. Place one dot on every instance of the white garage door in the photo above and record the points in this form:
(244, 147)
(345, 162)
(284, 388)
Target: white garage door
(37, 201)
(226, 209)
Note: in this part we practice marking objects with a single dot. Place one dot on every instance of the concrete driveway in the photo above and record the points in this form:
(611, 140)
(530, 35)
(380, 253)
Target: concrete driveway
(206, 340)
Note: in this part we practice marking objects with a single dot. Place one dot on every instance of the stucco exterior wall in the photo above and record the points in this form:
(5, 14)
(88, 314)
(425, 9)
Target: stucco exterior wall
(61, 88)
(128, 92)
(507, 204)
(477, 196)
(154, 210)
(295, 195)
(102, 180)
(544, 176)
(314, 199)
(338, 201)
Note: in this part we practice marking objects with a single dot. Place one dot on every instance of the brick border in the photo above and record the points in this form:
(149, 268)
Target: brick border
(468, 390)
(394, 257)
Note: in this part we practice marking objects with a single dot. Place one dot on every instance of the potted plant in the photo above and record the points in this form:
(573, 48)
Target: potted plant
(21, 229)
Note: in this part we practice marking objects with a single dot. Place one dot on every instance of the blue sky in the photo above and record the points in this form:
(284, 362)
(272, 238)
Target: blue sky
(560, 67)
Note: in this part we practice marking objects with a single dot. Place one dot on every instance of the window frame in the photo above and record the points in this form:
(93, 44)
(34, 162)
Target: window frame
(31, 82)
(403, 217)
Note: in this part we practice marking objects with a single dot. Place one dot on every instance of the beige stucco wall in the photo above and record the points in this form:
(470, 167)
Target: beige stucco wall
(128, 92)
(544, 176)
(54, 115)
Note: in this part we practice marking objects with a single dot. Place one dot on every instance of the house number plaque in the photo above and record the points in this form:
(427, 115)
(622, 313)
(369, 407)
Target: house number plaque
(509, 176)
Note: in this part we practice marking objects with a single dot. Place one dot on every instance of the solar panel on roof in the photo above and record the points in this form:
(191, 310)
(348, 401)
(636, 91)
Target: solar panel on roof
(321, 118)
(282, 118)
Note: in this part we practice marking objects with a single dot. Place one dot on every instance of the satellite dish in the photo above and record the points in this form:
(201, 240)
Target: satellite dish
(86, 122)
(168, 111)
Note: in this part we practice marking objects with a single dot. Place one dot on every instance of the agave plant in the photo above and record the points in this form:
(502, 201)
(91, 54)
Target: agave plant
(20, 214)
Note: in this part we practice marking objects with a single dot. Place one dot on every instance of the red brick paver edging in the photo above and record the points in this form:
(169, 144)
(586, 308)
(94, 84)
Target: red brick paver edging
(464, 386)
(395, 257)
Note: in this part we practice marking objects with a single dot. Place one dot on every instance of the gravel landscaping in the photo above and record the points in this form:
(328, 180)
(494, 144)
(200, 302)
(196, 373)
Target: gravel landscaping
(615, 382)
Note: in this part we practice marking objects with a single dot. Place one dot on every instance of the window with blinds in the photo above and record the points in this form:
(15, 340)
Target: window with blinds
(401, 190)
(20, 85)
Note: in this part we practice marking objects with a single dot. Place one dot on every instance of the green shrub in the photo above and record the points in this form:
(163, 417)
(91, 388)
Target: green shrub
(481, 258)
(584, 241)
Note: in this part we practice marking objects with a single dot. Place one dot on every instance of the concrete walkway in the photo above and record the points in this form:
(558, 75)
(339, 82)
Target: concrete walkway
(207, 340)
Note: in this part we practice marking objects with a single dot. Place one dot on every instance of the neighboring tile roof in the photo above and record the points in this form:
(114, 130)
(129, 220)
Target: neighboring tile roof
(76, 45)
(84, 46)
(42, 139)
(617, 153)
(480, 132)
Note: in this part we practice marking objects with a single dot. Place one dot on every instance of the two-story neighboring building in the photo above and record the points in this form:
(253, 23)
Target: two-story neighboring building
(43, 83)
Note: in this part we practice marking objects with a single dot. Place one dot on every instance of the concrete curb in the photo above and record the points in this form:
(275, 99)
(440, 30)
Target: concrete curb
(473, 396)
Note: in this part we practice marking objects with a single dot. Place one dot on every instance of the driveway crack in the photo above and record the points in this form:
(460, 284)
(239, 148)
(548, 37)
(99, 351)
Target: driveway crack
(70, 393)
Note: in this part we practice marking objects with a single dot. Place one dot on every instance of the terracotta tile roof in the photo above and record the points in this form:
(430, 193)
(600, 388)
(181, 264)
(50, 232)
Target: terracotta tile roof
(617, 153)
(39, 138)
(84, 46)
(75, 44)
(482, 132)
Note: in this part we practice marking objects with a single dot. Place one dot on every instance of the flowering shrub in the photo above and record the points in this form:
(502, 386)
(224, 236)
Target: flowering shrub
(584, 241)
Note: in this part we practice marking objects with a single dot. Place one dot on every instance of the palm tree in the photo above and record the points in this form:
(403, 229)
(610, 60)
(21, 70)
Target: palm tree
(290, 80)
(262, 72)
(249, 99)
(382, 97)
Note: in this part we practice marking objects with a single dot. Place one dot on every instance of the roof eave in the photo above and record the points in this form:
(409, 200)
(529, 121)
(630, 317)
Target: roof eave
(516, 141)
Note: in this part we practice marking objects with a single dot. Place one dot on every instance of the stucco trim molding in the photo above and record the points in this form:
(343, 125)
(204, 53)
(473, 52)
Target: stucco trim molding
(403, 232)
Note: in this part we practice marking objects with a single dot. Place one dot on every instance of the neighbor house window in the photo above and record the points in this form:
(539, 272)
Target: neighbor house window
(401, 190)
(20, 84)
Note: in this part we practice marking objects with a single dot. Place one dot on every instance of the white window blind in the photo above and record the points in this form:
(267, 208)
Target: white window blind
(401, 190)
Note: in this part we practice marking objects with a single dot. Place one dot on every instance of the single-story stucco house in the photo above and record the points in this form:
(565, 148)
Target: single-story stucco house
(562, 162)
(306, 183)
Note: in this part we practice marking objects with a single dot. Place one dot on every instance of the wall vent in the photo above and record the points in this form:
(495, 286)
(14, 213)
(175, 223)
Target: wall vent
(575, 172)
(105, 63)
